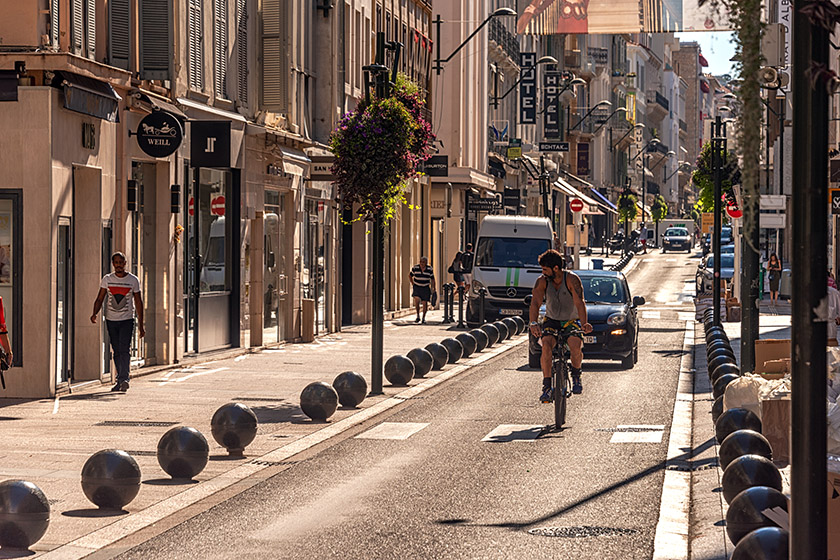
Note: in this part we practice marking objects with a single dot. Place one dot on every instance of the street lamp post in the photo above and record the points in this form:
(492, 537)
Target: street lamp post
(645, 153)
(438, 67)
(542, 60)
(603, 103)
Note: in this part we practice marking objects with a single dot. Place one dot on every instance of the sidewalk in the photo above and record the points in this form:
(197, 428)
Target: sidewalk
(708, 539)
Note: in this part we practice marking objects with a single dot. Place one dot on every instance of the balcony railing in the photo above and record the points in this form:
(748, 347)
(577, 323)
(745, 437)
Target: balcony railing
(663, 101)
(505, 39)
(683, 126)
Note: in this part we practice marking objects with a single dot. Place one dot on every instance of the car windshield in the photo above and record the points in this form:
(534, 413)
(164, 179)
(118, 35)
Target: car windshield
(676, 233)
(510, 251)
(726, 261)
(603, 290)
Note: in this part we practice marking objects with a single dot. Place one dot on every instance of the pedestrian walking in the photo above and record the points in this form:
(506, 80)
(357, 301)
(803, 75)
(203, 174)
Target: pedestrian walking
(643, 234)
(467, 258)
(123, 292)
(423, 281)
(774, 277)
(456, 270)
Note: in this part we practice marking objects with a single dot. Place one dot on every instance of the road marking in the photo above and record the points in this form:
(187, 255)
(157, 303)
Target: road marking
(393, 430)
(641, 427)
(55, 406)
(514, 432)
(637, 437)
(671, 539)
(240, 358)
(190, 376)
(683, 316)
(651, 315)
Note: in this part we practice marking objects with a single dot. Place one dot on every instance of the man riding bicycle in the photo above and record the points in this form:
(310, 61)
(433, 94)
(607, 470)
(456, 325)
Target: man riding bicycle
(565, 316)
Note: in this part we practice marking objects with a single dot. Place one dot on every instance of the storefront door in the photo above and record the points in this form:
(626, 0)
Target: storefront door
(63, 302)
(275, 296)
(313, 277)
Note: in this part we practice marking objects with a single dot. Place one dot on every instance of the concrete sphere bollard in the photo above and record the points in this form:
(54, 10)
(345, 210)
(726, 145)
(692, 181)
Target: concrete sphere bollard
(721, 382)
(453, 348)
(492, 333)
(767, 543)
(234, 426)
(319, 400)
(744, 513)
(743, 442)
(439, 353)
(422, 360)
(717, 409)
(183, 452)
(399, 370)
(111, 478)
(351, 387)
(513, 326)
(468, 342)
(736, 419)
(748, 471)
(725, 369)
(24, 514)
(480, 339)
(504, 332)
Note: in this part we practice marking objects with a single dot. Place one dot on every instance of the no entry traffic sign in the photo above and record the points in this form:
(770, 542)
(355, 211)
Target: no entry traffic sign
(217, 206)
(576, 205)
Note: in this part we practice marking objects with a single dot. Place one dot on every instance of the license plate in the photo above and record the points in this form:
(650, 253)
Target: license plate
(510, 311)
(589, 339)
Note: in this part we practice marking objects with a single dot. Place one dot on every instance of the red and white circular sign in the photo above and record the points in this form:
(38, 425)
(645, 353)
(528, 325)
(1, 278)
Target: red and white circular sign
(734, 211)
(217, 206)
(192, 206)
(576, 205)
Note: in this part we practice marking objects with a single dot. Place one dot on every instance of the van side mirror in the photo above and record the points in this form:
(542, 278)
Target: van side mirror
(638, 300)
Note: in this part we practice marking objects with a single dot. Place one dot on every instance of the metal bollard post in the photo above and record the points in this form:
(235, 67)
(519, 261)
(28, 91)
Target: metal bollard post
(446, 303)
(481, 293)
(450, 318)
(460, 324)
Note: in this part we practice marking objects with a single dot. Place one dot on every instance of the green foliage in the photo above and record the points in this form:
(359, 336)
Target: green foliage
(627, 208)
(659, 208)
(703, 178)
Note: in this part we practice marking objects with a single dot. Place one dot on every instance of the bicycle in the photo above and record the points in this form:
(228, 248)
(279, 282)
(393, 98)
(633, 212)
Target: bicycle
(560, 382)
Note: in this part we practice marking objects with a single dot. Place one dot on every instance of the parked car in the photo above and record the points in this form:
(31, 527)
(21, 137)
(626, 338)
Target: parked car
(728, 249)
(676, 239)
(725, 239)
(612, 312)
(706, 271)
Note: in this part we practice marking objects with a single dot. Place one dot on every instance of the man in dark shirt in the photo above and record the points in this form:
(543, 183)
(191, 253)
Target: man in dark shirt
(423, 279)
(467, 265)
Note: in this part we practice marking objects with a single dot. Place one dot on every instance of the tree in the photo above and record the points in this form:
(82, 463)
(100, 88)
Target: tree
(627, 211)
(703, 177)
(658, 210)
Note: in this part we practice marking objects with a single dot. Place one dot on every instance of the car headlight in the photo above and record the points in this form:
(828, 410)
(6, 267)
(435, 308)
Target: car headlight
(476, 286)
(617, 318)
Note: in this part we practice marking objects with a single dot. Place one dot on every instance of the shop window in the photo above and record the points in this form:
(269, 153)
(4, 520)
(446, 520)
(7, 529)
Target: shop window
(11, 266)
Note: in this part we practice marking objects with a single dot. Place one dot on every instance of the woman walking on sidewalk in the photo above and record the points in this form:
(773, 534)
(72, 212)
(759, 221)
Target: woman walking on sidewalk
(774, 276)
(456, 269)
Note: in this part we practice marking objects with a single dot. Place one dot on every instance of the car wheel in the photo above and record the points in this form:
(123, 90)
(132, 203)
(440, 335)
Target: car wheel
(664, 250)
(627, 363)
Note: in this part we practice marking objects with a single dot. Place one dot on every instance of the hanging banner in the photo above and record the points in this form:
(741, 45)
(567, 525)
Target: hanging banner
(583, 159)
(528, 88)
(550, 17)
(551, 101)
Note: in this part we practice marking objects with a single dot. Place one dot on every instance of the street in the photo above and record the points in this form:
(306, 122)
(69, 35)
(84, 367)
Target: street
(434, 488)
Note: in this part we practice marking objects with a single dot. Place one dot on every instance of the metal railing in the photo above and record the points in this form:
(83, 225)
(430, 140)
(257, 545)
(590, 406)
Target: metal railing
(509, 43)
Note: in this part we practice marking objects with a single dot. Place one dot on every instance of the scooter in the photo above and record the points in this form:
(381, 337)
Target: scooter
(615, 244)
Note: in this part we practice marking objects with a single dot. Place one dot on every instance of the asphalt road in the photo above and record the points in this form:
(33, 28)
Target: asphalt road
(443, 492)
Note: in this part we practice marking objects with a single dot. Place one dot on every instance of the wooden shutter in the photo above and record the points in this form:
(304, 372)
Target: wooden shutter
(54, 22)
(155, 39)
(90, 28)
(220, 48)
(77, 25)
(242, 51)
(119, 33)
(275, 68)
(196, 59)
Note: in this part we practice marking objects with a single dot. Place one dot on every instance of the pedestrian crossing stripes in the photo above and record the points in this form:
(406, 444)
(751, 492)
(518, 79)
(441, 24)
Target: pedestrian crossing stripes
(638, 433)
(393, 430)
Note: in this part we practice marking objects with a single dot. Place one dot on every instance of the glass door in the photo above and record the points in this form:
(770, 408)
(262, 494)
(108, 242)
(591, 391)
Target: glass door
(274, 270)
(313, 276)
(140, 172)
(63, 301)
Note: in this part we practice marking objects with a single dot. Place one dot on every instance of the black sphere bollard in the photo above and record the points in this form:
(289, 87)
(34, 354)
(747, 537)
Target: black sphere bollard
(234, 426)
(492, 333)
(512, 326)
(351, 387)
(319, 400)
(422, 360)
(714, 332)
(453, 348)
(748, 471)
(745, 512)
(719, 346)
(504, 333)
(767, 543)
(111, 478)
(439, 353)
(721, 382)
(480, 339)
(725, 369)
(24, 514)
(743, 442)
(183, 452)
(717, 360)
(468, 343)
(523, 324)
(399, 370)
(717, 409)
(736, 419)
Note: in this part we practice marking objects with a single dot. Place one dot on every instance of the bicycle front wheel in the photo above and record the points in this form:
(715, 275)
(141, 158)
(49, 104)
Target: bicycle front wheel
(561, 386)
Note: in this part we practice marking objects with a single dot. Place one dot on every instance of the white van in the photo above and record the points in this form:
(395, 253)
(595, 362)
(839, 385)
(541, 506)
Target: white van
(505, 264)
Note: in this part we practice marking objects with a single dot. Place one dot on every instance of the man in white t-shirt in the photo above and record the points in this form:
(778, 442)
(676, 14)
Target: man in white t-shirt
(123, 291)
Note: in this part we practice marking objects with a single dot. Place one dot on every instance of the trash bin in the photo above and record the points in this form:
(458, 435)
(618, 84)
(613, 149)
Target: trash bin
(598, 264)
(785, 286)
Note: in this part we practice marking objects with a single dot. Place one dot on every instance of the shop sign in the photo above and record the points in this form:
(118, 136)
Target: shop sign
(210, 143)
(583, 159)
(436, 166)
(321, 168)
(485, 204)
(551, 120)
(159, 134)
(835, 200)
(528, 88)
(217, 206)
(554, 146)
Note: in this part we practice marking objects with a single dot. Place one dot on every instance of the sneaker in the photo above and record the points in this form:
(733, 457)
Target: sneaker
(417, 320)
(577, 387)
(123, 386)
(116, 388)
(547, 395)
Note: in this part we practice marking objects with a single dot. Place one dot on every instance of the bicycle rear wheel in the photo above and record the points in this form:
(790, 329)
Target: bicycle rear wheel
(561, 381)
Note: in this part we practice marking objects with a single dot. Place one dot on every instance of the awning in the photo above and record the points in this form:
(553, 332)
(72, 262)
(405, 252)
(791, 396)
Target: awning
(590, 205)
(496, 168)
(230, 115)
(159, 104)
(88, 95)
(645, 210)
(605, 202)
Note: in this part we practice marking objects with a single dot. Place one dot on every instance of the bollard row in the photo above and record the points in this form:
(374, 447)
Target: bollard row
(622, 262)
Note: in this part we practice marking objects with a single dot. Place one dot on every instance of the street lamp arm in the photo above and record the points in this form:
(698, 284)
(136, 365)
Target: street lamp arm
(603, 124)
(645, 149)
(439, 63)
(599, 104)
(543, 60)
(626, 134)
(574, 82)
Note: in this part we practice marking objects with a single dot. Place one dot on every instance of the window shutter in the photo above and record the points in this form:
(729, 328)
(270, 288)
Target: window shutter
(119, 34)
(155, 40)
(77, 25)
(274, 66)
(220, 48)
(242, 51)
(54, 22)
(195, 51)
(90, 28)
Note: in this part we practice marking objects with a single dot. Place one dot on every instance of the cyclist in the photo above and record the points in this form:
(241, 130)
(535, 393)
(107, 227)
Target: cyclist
(565, 312)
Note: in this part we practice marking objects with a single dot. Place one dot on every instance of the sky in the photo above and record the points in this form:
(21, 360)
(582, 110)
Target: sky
(717, 47)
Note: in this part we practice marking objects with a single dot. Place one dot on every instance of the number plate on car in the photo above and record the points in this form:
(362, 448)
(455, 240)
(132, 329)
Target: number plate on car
(590, 339)
(510, 311)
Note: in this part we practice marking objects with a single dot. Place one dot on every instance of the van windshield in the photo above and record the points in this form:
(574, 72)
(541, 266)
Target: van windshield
(510, 251)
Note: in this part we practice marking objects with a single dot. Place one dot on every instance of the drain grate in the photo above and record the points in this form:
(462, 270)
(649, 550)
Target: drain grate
(582, 532)
(629, 429)
(273, 463)
(142, 453)
(260, 399)
(135, 423)
(692, 467)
